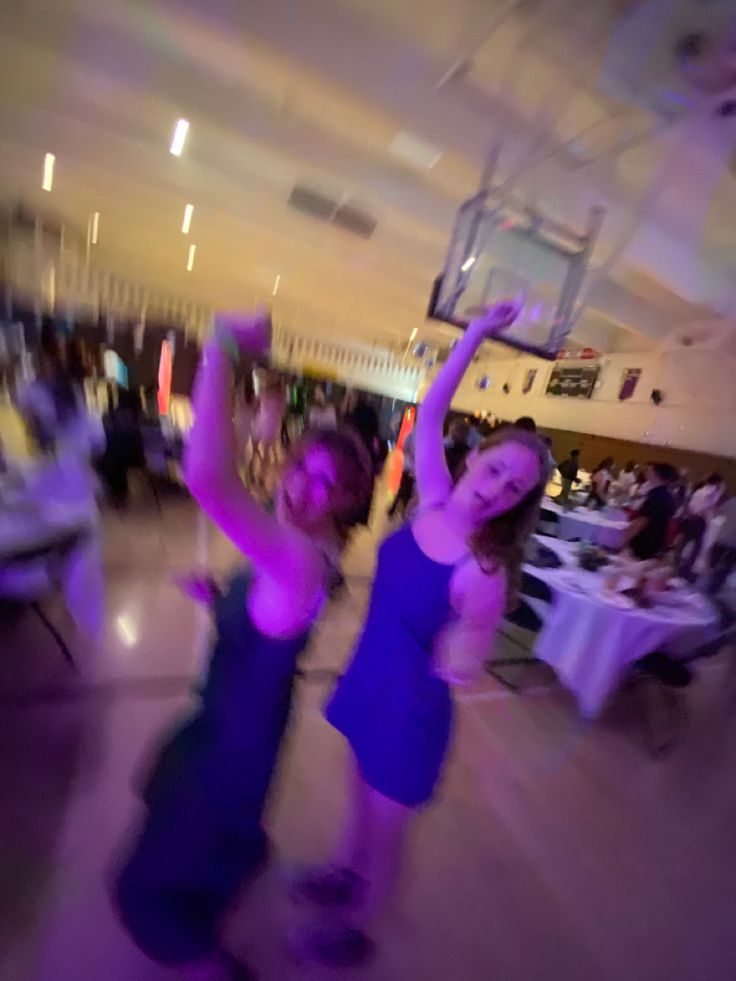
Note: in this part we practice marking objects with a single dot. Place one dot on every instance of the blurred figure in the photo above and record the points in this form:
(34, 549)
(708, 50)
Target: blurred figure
(457, 446)
(363, 419)
(722, 556)
(475, 437)
(647, 533)
(547, 440)
(462, 556)
(124, 449)
(406, 487)
(622, 485)
(526, 423)
(61, 483)
(64, 433)
(683, 490)
(244, 416)
(266, 431)
(694, 524)
(640, 487)
(569, 475)
(599, 484)
(322, 414)
(202, 837)
(11, 475)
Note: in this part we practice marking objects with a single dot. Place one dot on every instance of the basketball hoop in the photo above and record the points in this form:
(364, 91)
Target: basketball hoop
(496, 253)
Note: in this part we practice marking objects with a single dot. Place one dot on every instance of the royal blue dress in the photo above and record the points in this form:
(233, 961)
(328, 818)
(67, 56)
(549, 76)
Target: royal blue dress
(395, 713)
(202, 834)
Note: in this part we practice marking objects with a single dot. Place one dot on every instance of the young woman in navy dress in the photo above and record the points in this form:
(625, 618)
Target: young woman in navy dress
(442, 584)
(201, 837)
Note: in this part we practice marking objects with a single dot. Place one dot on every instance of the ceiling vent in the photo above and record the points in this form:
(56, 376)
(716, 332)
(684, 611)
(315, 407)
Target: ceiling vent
(341, 212)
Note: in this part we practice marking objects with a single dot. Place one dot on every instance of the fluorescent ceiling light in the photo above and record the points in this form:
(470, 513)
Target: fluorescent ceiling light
(48, 171)
(188, 212)
(414, 151)
(276, 284)
(190, 259)
(468, 263)
(180, 136)
(413, 334)
(95, 227)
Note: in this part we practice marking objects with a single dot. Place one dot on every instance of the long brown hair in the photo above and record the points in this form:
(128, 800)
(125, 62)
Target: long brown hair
(500, 542)
(354, 468)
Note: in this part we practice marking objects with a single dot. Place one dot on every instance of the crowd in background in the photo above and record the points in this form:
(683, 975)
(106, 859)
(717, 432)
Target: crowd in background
(668, 510)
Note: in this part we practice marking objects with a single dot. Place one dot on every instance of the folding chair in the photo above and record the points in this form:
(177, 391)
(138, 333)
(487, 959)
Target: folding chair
(529, 617)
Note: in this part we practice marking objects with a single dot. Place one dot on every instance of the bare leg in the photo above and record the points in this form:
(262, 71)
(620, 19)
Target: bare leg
(372, 844)
(352, 846)
(385, 824)
(372, 848)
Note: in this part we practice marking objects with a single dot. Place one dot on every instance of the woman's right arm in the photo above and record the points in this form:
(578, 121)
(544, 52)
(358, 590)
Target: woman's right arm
(210, 460)
(434, 482)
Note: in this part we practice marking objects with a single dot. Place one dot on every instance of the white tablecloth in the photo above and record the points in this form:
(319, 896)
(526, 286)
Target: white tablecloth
(599, 528)
(591, 642)
(81, 576)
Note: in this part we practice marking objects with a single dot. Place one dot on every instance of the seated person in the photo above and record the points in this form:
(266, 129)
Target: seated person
(648, 531)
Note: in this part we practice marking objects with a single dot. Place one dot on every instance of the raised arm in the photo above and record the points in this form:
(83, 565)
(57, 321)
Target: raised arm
(434, 482)
(210, 460)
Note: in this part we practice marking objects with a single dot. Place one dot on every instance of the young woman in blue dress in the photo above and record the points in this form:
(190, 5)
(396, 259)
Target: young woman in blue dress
(442, 584)
(201, 836)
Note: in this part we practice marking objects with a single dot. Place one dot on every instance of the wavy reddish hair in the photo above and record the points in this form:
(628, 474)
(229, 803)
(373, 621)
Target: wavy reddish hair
(354, 468)
(500, 542)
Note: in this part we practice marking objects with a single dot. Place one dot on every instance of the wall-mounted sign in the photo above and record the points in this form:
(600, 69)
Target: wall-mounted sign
(574, 382)
(529, 380)
(629, 380)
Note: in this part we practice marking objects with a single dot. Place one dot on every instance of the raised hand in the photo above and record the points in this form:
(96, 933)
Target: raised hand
(496, 318)
(250, 331)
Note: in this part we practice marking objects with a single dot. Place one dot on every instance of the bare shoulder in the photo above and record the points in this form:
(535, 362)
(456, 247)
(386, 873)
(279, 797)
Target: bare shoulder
(479, 591)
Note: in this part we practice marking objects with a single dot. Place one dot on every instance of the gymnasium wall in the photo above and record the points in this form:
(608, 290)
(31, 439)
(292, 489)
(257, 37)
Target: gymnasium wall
(697, 414)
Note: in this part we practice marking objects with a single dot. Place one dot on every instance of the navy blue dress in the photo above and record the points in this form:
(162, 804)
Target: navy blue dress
(202, 834)
(395, 713)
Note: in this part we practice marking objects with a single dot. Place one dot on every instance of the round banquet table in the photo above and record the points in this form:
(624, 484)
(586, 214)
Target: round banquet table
(591, 637)
(597, 527)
